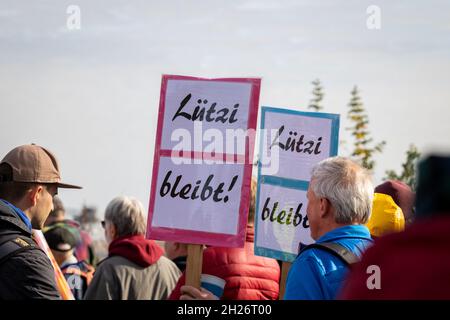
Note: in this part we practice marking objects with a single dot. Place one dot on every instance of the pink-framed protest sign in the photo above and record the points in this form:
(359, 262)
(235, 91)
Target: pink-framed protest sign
(202, 166)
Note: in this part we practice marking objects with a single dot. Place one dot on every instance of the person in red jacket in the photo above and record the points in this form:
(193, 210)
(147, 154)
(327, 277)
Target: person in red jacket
(415, 263)
(248, 277)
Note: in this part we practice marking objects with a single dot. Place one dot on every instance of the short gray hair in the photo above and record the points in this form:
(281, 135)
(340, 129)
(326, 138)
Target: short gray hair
(127, 215)
(347, 186)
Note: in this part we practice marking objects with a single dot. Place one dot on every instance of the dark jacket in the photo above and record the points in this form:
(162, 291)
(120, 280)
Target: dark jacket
(248, 277)
(78, 276)
(26, 273)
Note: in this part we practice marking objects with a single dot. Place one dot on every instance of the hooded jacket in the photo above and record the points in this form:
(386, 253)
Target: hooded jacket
(386, 217)
(135, 269)
(248, 277)
(27, 272)
(320, 275)
(401, 194)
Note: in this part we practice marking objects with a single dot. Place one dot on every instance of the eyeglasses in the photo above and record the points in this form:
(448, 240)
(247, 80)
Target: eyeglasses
(103, 224)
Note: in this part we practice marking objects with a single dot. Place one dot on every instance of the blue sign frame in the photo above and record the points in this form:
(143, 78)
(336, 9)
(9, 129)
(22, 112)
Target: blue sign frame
(285, 182)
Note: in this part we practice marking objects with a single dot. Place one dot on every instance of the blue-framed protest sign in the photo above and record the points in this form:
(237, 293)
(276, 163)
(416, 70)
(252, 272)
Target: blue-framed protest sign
(291, 143)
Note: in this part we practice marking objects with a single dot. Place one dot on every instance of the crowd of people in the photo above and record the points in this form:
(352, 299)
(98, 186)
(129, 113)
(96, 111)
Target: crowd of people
(356, 228)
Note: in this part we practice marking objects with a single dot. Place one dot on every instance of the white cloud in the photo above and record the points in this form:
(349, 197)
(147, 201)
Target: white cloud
(8, 13)
(260, 6)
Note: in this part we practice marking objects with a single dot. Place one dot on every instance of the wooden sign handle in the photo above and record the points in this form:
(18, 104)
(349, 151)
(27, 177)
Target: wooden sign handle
(194, 265)
(285, 266)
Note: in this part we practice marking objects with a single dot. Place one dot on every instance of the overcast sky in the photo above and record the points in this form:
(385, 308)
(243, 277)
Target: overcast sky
(91, 95)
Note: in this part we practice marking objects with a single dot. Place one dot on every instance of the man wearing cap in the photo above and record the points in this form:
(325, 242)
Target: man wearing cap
(62, 242)
(29, 178)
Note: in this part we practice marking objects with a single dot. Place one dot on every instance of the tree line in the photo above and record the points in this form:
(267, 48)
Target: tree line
(363, 146)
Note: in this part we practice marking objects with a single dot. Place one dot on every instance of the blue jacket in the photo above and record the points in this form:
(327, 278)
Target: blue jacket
(319, 275)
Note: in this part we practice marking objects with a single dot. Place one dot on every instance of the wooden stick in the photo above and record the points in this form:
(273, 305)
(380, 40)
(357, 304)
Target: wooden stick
(285, 266)
(194, 265)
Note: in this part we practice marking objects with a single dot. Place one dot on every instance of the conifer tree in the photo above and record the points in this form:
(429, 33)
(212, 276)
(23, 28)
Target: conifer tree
(363, 149)
(408, 174)
(315, 102)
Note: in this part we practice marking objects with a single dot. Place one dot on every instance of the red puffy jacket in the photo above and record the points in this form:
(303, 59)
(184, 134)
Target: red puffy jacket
(248, 277)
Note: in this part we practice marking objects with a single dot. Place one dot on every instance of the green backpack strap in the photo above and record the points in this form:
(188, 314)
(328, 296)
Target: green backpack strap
(335, 249)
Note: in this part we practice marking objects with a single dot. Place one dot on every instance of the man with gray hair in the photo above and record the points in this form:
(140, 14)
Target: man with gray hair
(340, 197)
(135, 268)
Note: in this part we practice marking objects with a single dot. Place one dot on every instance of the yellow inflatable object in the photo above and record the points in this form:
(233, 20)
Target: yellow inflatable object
(386, 216)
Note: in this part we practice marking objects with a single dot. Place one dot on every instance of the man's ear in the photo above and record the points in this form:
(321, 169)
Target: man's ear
(113, 230)
(34, 194)
(324, 207)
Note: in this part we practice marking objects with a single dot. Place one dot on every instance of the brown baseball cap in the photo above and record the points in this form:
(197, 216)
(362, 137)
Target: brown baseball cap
(32, 163)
